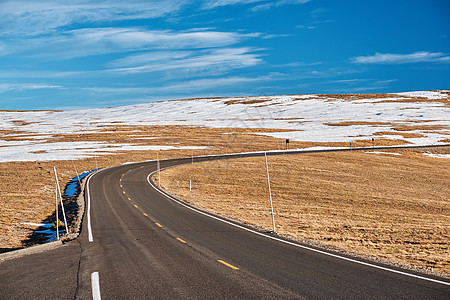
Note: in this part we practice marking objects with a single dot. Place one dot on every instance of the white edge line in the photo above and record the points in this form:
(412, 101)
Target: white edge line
(90, 237)
(291, 243)
(95, 281)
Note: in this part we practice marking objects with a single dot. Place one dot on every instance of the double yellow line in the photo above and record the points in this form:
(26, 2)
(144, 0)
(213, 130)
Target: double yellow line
(178, 239)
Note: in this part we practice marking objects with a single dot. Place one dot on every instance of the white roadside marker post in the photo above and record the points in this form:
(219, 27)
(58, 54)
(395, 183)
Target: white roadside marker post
(76, 172)
(270, 193)
(57, 218)
(157, 166)
(192, 162)
(60, 197)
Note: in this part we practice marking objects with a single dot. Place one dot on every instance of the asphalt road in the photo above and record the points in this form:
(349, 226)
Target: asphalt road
(144, 245)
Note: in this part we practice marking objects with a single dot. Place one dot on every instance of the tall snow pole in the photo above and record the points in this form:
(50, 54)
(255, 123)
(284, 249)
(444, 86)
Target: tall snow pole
(60, 197)
(157, 166)
(270, 193)
(190, 179)
(76, 172)
(57, 217)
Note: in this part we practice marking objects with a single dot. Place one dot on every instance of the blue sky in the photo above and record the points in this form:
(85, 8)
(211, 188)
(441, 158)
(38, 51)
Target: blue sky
(58, 54)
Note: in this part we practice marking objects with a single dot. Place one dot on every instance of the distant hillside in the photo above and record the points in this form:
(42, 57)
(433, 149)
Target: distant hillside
(414, 117)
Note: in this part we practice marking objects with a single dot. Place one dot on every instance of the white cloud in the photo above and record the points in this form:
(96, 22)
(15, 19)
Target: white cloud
(273, 36)
(223, 59)
(389, 58)
(6, 87)
(349, 81)
(208, 4)
(119, 90)
(304, 27)
(149, 58)
(272, 4)
(183, 86)
(263, 6)
(43, 74)
(30, 18)
(97, 41)
(208, 84)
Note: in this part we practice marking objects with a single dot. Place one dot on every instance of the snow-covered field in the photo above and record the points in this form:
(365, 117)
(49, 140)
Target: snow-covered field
(425, 116)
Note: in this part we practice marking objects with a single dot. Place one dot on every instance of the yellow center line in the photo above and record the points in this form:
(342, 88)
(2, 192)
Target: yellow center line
(228, 265)
(184, 242)
(121, 186)
(145, 214)
(123, 192)
(159, 225)
(136, 206)
(129, 198)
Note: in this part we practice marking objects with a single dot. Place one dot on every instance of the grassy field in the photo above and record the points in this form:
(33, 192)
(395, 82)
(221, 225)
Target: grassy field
(393, 206)
(27, 190)
(383, 205)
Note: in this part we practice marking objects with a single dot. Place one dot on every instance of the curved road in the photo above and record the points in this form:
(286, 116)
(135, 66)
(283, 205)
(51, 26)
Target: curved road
(137, 243)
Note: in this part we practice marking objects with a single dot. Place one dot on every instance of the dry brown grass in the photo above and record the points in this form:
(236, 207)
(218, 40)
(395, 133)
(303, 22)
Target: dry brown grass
(386, 98)
(380, 205)
(352, 97)
(405, 135)
(429, 128)
(246, 101)
(27, 192)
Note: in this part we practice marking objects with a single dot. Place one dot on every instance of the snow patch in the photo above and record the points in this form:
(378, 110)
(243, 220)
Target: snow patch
(71, 150)
(425, 94)
(437, 155)
(297, 117)
(381, 152)
(44, 225)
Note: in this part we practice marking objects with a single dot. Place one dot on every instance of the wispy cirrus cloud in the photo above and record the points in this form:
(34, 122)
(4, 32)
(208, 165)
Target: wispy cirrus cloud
(44, 74)
(209, 4)
(27, 18)
(31, 18)
(350, 81)
(209, 83)
(391, 58)
(6, 87)
(97, 41)
(272, 4)
(192, 61)
(261, 4)
(184, 86)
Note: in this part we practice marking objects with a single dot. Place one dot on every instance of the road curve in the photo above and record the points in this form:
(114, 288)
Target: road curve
(145, 245)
